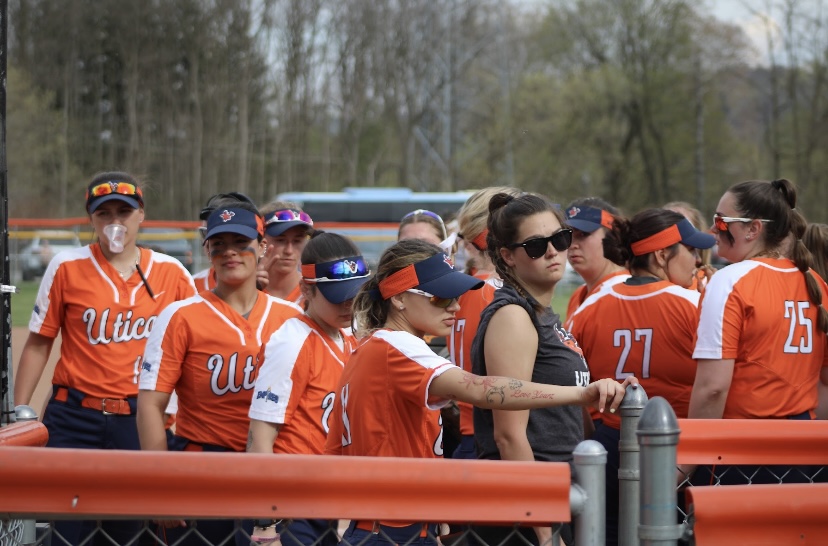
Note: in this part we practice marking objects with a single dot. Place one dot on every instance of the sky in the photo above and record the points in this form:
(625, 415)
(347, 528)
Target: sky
(749, 15)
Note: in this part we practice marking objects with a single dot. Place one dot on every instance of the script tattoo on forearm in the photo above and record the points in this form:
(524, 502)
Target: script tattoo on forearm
(471, 380)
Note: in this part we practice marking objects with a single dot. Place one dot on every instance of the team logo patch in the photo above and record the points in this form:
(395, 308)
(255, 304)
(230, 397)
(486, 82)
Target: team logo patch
(569, 341)
(352, 266)
(573, 212)
(36, 309)
(268, 396)
(227, 215)
(146, 366)
(447, 260)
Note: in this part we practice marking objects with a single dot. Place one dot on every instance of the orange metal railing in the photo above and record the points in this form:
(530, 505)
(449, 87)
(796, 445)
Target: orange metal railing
(74, 483)
(24, 433)
(753, 442)
(760, 514)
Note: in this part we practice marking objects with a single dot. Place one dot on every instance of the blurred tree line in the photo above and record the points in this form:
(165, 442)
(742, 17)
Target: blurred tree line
(638, 101)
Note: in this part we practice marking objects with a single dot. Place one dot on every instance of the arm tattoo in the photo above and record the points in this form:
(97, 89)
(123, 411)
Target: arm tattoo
(515, 384)
(249, 440)
(496, 392)
(471, 380)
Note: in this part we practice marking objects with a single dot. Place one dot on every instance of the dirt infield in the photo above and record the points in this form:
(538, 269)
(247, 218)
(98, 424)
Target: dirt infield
(43, 390)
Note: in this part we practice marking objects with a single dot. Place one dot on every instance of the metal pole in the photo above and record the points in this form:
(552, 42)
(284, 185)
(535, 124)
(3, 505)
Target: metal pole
(629, 474)
(6, 385)
(589, 474)
(658, 436)
(29, 535)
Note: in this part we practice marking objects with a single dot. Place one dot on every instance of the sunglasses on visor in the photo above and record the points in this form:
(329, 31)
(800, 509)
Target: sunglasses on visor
(721, 222)
(288, 215)
(535, 248)
(107, 188)
(436, 301)
(424, 212)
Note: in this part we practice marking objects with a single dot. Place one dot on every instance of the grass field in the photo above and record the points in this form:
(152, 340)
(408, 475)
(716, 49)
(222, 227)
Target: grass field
(23, 302)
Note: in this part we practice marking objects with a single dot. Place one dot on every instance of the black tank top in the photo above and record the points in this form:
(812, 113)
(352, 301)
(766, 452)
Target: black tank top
(552, 432)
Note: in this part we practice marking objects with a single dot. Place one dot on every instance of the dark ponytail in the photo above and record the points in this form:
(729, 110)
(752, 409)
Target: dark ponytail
(776, 201)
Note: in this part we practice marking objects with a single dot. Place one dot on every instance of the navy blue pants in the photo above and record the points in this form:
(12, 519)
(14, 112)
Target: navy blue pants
(466, 449)
(390, 535)
(214, 531)
(307, 532)
(72, 426)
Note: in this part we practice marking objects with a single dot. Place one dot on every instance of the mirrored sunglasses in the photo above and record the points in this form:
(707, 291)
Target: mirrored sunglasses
(535, 248)
(288, 215)
(108, 188)
(721, 222)
(442, 303)
(338, 270)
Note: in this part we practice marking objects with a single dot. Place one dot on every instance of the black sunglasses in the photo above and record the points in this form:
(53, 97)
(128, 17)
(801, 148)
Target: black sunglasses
(535, 248)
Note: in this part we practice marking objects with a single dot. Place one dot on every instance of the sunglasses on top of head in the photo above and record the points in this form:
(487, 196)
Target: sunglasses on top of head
(535, 248)
(721, 222)
(436, 301)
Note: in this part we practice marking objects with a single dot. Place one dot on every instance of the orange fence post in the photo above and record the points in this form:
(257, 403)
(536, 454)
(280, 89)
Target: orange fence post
(24, 433)
(109, 483)
(760, 514)
(753, 442)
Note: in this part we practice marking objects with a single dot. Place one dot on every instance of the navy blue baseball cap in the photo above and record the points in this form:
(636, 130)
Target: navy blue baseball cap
(683, 232)
(435, 275)
(235, 220)
(588, 219)
(279, 221)
(338, 280)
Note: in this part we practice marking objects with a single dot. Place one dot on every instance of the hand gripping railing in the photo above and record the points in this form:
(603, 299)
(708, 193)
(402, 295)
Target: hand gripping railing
(105, 484)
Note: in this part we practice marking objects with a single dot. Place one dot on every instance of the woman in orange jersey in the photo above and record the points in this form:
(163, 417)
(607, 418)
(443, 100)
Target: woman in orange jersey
(287, 229)
(206, 278)
(393, 385)
(205, 348)
(473, 232)
(302, 364)
(645, 325)
(103, 299)
(761, 339)
(599, 264)
(705, 269)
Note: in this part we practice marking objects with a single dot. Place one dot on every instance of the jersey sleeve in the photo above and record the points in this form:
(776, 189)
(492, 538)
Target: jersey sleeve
(720, 320)
(412, 368)
(165, 351)
(285, 372)
(47, 315)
